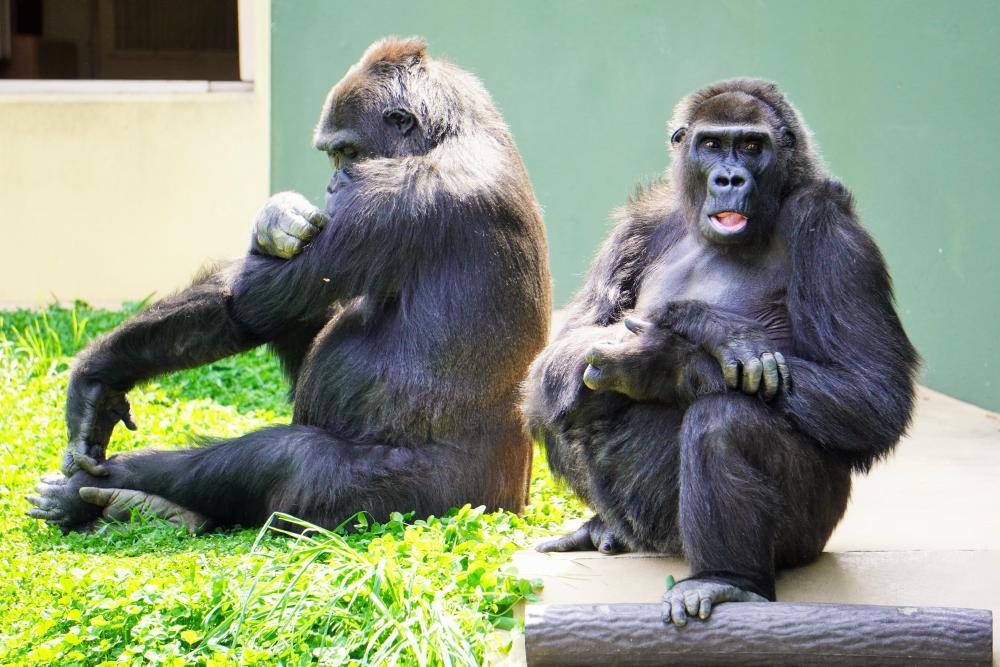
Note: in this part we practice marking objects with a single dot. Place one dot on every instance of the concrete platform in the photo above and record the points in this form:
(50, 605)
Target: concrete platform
(923, 529)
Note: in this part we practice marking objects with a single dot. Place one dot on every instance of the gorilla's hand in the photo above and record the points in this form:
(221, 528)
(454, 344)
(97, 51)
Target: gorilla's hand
(92, 412)
(748, 357)
(614, 366)
(750, 362)
(651, 362)
(285, 225)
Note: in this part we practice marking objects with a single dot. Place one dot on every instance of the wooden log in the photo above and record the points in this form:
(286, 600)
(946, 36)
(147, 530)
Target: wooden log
(757, 633)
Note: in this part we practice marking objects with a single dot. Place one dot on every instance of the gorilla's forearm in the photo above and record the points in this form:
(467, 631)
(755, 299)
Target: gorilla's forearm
(706, 325)
(186, 330)
(859, 411)
(858, 405)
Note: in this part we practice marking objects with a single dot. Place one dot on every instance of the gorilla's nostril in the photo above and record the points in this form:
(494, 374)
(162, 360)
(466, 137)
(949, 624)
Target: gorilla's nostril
(721, 181)
(737, 181)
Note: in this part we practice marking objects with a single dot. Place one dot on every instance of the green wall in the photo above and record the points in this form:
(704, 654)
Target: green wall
(903, 97)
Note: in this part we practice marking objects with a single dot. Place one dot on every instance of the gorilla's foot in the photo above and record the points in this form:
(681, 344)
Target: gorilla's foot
(57, 502)
(593, 535)
(119, 505)
(78, 509)
(695, 598)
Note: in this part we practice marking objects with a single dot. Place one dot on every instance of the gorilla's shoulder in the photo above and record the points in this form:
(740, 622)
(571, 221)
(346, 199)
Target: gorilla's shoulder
(651, 205)
(824, 195)
(823, 222)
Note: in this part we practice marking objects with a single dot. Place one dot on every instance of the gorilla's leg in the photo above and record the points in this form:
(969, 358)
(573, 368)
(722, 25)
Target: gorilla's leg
(753, 493)
(623, 459)
(300, 470)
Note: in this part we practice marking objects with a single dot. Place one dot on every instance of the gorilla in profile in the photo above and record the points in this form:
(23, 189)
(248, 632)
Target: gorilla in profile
(405, 327)
(734, 355)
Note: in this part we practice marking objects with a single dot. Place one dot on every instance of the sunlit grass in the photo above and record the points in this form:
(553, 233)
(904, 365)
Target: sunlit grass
(406, 592)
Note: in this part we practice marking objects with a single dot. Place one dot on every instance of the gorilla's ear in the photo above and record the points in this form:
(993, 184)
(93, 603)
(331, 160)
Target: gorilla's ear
(402, 119)
(678, 135)
(788, 137)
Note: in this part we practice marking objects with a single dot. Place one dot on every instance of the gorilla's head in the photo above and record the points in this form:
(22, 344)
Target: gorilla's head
(740, 149)
(397, 102)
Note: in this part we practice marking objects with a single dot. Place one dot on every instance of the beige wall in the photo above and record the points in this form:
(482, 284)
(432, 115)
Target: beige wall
(109, 197)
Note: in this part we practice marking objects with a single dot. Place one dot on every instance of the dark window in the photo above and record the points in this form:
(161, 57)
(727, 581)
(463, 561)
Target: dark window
(119, 39)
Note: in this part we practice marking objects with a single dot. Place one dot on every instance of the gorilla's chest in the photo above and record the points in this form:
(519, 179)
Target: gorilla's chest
(754, 286)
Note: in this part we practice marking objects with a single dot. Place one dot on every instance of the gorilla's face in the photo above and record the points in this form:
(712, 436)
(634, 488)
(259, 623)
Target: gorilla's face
(359, 122)
(728, 175)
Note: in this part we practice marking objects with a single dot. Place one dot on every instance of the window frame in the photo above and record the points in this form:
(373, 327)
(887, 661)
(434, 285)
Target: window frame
(81, 87)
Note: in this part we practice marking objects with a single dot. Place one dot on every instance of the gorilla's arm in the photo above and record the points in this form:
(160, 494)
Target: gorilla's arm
(555, 379)
(853, 367)
(393, 217)
(188, 329)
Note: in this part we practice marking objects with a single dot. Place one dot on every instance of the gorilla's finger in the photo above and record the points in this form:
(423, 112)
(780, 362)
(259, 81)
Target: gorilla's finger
(609, 545)
(692, 602)
(771, 377)
(578, 540)
(299, 227)
(89, 464)
(127, 416)
(286, 245)
(594, 378)
(595, 356)
(52, 515)
(89, 414)
(47, 489)
(635, 325)
(731, 372)
(705, 610)
(42, 502)
(677, 611)
(263, 240)
(69, 466)
(77, 447)
(752, 371)
(318, 217)
(54, 478)
(783, 370)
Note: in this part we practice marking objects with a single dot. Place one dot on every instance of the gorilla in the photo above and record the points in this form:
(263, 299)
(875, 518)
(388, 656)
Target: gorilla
(733, 356)
(405, 327)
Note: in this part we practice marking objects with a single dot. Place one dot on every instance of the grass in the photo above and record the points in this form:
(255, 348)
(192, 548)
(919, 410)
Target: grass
(430, 592)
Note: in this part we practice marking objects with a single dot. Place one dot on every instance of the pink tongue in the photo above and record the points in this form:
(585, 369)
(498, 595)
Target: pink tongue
(730, 219)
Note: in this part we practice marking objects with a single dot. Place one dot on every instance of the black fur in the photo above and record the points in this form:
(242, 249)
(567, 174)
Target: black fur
(670, 458)
(405, 327)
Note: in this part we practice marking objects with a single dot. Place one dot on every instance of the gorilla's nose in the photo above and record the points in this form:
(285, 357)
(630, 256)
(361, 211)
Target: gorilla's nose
(729, 180)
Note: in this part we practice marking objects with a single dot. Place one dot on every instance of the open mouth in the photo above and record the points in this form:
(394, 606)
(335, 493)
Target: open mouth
(728, 222)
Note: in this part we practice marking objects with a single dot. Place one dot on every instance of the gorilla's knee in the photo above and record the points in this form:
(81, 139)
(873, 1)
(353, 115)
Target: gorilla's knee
(721, 422)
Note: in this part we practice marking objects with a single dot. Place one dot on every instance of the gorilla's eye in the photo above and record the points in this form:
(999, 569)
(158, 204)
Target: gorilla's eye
(710, 143)
(349, 152)
(751, 147)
